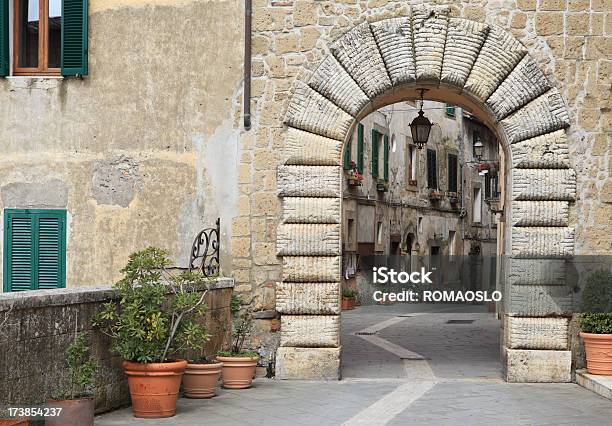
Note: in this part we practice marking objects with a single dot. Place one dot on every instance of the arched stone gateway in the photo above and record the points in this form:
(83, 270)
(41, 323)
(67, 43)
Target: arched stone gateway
(480, 67)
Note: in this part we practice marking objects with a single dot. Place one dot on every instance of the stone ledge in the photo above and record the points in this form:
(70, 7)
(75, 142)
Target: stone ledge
(601, 385)
(308, 363)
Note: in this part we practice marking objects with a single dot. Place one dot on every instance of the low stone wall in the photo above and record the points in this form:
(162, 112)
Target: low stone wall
(39, 326)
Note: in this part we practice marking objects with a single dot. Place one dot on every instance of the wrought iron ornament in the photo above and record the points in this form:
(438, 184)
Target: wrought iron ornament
(205, 251)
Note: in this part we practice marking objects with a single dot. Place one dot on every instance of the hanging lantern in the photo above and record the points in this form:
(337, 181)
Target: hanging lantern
(420, 127)
(478, 149)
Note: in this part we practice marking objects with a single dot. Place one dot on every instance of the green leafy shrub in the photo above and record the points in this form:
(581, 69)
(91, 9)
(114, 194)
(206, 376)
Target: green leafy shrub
(81, 369)
(597, 292)
(348, 293)
(146, 325)
(241, 329)
(596, 323)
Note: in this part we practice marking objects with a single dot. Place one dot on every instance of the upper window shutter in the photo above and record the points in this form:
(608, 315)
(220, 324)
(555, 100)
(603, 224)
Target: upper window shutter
(360, 148)
(74, 37)
(452, 173)
(347, 156)
(386, 158)
(432, 175)
(51, 252)
(374, 153)
(4, 38)
(19, 253)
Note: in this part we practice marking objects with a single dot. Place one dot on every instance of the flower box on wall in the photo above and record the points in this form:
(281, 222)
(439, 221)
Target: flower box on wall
(435, 195)
(382, 185)
(354, 178)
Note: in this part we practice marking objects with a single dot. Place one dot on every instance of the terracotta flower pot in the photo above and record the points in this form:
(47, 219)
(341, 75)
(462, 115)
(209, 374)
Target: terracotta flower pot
(15, 422)
(200, 380)
(75, 412)
(598, 353)
(154, 387)
(237, 372)
(347, 303)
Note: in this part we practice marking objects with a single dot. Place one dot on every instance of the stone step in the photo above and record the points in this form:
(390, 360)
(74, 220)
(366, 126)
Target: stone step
(601, 385)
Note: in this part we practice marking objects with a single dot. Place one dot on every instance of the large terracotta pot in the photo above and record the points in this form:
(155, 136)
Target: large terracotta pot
(237, 372)
(200, 380)
(15, 422)
(598, 353)
(154, 387)
(347, 303)
(75, 412)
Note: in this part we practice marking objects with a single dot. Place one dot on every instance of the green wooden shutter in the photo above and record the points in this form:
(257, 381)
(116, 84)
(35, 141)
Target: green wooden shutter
(50, 256)
(74, 37)
(374, 153)
(452, 173)
(347, 155)
(432, 172)
(360, 148)
(18, 252)
(386, 158)
(4, 38)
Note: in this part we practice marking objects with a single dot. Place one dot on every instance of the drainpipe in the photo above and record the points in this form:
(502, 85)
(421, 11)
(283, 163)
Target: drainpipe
(247, 64)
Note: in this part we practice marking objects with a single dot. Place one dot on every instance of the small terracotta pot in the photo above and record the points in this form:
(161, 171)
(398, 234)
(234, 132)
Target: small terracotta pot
(347, 303)
(237, 372)
(598, 349)
(75, 412)
(200, 380)
(15, 422)
(154, 387)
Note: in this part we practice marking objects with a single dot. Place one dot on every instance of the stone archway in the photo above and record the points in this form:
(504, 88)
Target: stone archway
(478, 66)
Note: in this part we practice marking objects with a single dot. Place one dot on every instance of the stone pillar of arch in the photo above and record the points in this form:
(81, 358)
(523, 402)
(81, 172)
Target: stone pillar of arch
(481, 67)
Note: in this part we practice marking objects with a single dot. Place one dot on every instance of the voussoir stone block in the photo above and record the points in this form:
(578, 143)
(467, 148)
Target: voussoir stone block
(308, 240)
(535, 271)
(311, 210)
(430, 28)
(310, 331)
(311, 268)
(538, 366)
(463, 43)
(537, 333)
(332, 81)
(308, 181)
(525, 83)
(543, 184)
(394, 39)
(500, 53)
(309, 110)
(542, 241)
(308, 363)
(359, 55)
(549, 151)
(308, 298)
(540, 213)
(545, 114)
(305, 148)
(539, 300)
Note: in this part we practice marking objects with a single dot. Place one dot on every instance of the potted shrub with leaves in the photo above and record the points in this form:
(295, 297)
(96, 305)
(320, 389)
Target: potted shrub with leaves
(596, 322)
(76, 400)
(148, 327)
(348, 299)
(238, 363)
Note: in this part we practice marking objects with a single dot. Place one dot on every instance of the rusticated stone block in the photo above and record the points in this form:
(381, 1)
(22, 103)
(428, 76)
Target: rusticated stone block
(499, 55)
(308, 110)
(308, 181)
(533, 366)
(332, 81)
(545, 114)
(537, 333)
(394, 39)
(535, 272)
(308, 298)
(310, 331)
(539, 301)
(540, 213)
(308, 363)
(308, 240)
(542, 242)
(543, 184)
(357, 52)
(525, 83)
(311, 268)
(305, 148)
(311, 210)
(430, 27)
(463, 43)
(549, 151)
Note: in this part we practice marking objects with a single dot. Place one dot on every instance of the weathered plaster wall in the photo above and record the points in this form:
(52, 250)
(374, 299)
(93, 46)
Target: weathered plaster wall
(142, 151)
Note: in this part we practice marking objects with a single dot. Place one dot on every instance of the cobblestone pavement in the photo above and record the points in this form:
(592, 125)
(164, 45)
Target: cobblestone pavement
(403, 370)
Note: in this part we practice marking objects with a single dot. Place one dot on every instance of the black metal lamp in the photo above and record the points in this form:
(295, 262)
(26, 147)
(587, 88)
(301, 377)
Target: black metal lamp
(478, 149)
(420, 127)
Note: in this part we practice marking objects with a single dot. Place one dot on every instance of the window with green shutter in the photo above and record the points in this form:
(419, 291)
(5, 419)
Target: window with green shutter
(34, 249)
(346, 163)
(386, 158)
(360, 148)
(450, 110)
(74, 37)
(452, 173)
(432, 169)
(375, 141)
(4, 38)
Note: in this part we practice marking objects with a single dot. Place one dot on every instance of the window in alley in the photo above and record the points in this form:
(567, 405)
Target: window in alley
(412, 165)
(452, 173)
(432, 171)
(477, 207)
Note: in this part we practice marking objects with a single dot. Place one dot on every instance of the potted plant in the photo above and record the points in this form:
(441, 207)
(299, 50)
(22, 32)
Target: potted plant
(147, 327)
(434, 194)
(353, 177)
(382, 185)
(596, 322)
(239, 364)
(348, 299)
(76, 400)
